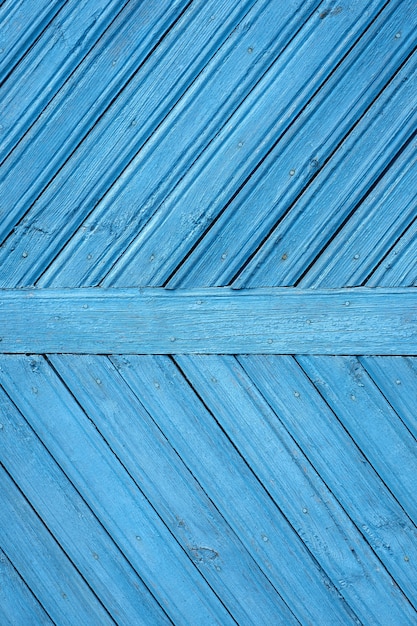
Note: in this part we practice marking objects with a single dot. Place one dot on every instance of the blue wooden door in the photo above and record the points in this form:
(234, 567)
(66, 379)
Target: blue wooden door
(208, 321)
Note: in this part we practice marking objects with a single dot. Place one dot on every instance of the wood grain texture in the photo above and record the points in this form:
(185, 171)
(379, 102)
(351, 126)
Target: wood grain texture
(18, 604)
(373, 424)
(380, 219)
(213, 97)
(112, 494)
(396, 378)
(77, 108)
(229, 481)
(209, 321)
(21, 22)
(181, 49)
(328, 444)
(49, 63)
(244, 141)
(399, 267)
(71, 522)
(340, 187)
(166, 165)
(218, 554)
(309, 146)
(59, 587)
(292, 481)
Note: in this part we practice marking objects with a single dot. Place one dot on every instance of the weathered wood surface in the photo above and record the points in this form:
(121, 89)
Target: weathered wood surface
(183, 145)
(209, 321)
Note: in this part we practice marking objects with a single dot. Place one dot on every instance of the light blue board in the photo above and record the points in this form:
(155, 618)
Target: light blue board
(229, 481)
(167, 482)
(72, 523)
(49, 63)
(209, 321)
(18, 605)
(179, 146)
(112, 493)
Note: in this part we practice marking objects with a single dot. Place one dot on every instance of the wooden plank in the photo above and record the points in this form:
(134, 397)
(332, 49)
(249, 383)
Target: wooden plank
(243, 142)
(79, 105)
(309, 143)
(371, 231)
(42, 563)
(49, 63)
(21, 22)
(170, 53)
(166, 481)
(396, 377)
(112, 495)
(372, 423)
(17, 603)
(229, 481)
(399, 267)
(341, 185)
(292, 480)
(72, 523)
(341, 464)
(250, 50)
(211, 321)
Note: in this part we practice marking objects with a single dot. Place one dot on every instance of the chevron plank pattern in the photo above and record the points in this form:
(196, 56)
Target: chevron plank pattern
(193, 144)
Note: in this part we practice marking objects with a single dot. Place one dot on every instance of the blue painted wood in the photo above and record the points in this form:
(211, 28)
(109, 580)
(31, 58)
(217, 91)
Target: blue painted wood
(374, 142)
(112, 494)
(72, 523)
(117, 136)
(343, 466)
(78, 107)
(18, 605)
(210, 321)
(303, 150)
(250, 50)
(399, 266)
(49, 63)
(231, 158)
(21, 22)
(384, 215)
(397, 380)
(293, 483)
(59, 587)
(372, 423)
(182, 144)
(228, 480)
(218, 554)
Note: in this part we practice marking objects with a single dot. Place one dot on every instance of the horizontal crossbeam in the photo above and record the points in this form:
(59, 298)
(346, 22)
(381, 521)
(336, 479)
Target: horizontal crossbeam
(209, 321)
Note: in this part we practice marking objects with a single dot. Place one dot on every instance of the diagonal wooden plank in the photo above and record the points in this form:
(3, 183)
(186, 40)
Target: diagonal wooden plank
(17, 603)
(399, 267)
(71, 523)
(56, 583)
(172, 56)
(397, 380)
(310, 142)
(382, 218)
(69, 118)
(340, 186)
(371, 421)
(228, 480)
(243, 142)
(211, 99)
(213, 321)
(217, 552)
(21, 22)
(300, 491)
(49, 63)
(110, 492)
(341, 464)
